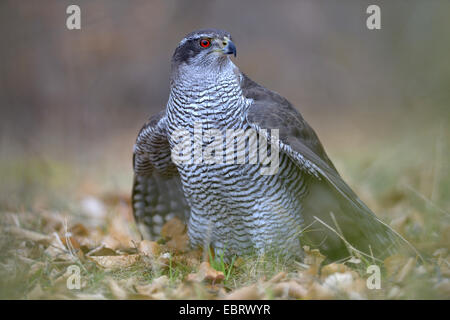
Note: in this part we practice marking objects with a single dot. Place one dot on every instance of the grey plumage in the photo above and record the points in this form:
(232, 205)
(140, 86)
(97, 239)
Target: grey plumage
(233, 207)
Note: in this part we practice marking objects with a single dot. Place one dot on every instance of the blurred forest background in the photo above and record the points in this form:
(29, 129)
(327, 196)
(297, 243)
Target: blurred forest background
(72, 101)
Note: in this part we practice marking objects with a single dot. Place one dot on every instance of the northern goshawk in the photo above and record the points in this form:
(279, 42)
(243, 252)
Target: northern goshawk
(233, 206)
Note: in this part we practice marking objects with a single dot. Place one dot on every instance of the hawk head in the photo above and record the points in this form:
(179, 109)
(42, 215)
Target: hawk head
(207, 48)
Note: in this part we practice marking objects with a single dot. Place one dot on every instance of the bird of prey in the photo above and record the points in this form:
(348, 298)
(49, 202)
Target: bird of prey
(235, 207)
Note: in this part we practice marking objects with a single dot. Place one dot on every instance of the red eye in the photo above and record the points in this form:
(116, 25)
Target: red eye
(205, 43)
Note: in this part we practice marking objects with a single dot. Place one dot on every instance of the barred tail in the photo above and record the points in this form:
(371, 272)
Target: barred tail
(157, 199)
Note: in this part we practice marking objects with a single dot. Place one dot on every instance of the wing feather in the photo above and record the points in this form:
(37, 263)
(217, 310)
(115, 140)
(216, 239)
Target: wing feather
(157, 193)
(330, 199)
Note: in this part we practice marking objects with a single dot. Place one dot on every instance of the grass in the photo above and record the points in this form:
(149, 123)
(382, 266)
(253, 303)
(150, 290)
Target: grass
(218, 263)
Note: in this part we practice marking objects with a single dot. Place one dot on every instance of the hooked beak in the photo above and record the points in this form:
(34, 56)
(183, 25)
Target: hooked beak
(229, 47)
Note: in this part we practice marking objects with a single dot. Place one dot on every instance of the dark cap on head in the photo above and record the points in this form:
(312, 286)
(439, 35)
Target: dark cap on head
(217, 33)
(189, 47)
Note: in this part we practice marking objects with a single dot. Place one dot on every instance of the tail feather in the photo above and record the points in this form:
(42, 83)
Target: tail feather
(157, 199)
(343, 229)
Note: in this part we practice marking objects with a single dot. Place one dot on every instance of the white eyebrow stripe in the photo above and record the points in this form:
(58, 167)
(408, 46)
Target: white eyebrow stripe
(197, 36)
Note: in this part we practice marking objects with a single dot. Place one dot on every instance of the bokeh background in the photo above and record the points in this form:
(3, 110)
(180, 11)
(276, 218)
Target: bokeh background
(73, 101)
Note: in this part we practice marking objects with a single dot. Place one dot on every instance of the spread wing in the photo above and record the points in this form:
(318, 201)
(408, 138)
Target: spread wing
(330, 203)
(157, 194)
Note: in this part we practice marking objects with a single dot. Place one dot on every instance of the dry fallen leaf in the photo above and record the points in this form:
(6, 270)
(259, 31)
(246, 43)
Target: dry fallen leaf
(339, 281)
(353, 260)
(157, 285)
(209, 273)
(102, 251)
(117, 291)
(164, 260)
(278, 277)
(119, 235)
(190, 259)
(333, 268)
(313, 258)
(206, 272)
(90, 296)
(189, 290)
(149, 248)
(318, 291)
(172, 228)
(290, 289)
(174, 232)
(245, 293)
(179, 243)
(79, 230)
(115, 262)
(70, 241)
